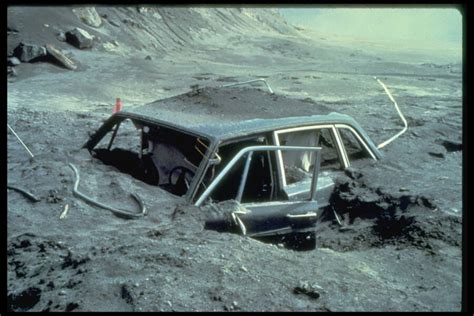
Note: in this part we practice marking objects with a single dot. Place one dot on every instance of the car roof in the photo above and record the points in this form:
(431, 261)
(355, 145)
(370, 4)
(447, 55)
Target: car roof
(227, 113)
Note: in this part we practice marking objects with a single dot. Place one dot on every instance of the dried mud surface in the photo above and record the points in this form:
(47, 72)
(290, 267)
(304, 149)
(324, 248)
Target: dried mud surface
(399, 248)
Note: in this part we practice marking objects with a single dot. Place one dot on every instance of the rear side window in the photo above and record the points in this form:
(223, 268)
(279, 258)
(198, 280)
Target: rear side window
(299, 165)
(354, 148)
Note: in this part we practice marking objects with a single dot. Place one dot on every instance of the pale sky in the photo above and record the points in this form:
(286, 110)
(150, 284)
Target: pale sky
(440, 25)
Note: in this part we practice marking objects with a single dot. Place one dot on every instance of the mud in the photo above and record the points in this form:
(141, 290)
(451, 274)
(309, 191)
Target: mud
(399, 245)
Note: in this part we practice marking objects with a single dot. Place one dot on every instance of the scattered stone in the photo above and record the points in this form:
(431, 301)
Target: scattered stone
(61, 36)
(114, 23)
(148, 57)
(54, 197)
(11, 72)
(109, 46)
(80, 38)
(244, 269)
(13, 61)
(71, 306)
(132, 23)
(88, 15)
(436, 154)
(142, 10)
(352, 173)
(307, 289)
(115, 43)
(126, 295)
(59, 56)
(29, 52)
(46, 25)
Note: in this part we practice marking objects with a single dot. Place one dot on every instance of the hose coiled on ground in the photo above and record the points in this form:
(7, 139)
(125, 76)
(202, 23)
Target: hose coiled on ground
(118, 212)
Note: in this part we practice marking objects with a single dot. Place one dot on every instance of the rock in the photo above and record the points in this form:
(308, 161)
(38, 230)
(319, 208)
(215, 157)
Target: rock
(114, 23)
(308, 289)
(88, 15)
(13, 61)
(80, 38)
(61, 36)
(353, 173)
(142, 10)
(108, 46)
(11, 72)
(436, 154)
(148, 57)
(29, 52)
(59, 56)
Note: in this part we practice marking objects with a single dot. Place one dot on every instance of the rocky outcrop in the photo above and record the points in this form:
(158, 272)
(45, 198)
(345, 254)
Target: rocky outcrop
(88, 15)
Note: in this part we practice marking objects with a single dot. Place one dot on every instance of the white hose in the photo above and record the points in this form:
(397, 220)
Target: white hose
(399, 112)
(32, 156)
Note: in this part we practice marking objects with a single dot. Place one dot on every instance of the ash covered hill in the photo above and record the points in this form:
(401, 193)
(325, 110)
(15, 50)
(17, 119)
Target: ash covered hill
(141, 28)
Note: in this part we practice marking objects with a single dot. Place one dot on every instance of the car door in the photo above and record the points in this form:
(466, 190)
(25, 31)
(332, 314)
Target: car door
(294, 167)
(271, 217)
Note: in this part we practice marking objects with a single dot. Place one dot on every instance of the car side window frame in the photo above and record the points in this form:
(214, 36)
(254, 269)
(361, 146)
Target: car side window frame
(359, 138)
(339, 147)
(205, 195)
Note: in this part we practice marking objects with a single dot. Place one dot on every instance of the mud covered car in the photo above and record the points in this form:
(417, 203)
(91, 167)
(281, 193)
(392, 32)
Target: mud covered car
(273, 156)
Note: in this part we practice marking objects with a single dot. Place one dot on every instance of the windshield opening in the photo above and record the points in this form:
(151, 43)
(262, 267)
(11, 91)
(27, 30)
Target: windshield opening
(154, 154)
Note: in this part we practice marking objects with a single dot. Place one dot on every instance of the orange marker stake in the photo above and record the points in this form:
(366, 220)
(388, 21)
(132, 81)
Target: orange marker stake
(118, 105)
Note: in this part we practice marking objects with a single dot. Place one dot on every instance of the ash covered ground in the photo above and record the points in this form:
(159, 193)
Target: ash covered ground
(400, 249)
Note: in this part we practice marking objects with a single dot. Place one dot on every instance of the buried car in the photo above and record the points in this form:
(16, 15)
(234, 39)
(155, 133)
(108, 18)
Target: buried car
(275, 156)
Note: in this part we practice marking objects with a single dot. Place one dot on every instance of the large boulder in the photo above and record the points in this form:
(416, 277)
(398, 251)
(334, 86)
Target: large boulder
(88, 15)
(29, 52)
(79, 38)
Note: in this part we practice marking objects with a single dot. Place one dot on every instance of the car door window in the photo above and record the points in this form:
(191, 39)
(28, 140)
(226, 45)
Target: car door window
(259, 185)
(297, 166)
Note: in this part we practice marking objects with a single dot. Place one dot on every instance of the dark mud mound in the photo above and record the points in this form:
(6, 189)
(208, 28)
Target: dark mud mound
(48, 270)
(24, 301)
(372, 217)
